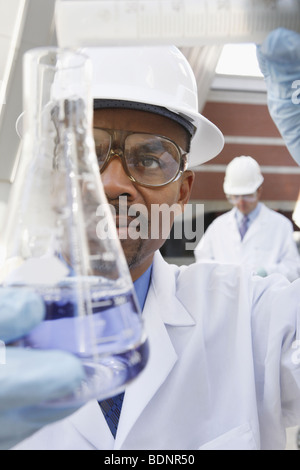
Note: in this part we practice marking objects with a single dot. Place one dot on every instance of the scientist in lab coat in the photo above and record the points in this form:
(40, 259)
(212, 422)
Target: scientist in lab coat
(250, 234)
(224, 365)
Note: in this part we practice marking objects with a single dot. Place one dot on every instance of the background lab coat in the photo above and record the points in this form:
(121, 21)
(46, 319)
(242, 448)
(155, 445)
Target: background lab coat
(220, 347)
(268, 243)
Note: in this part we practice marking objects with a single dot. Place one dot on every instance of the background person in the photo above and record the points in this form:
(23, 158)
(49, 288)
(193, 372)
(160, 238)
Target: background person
(251, 234)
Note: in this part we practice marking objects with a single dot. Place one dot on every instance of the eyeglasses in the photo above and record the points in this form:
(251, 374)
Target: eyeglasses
(234, 199)
(149, 160)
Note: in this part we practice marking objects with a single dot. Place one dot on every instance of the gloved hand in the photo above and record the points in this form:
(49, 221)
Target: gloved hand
(279, 60)
(29, 377)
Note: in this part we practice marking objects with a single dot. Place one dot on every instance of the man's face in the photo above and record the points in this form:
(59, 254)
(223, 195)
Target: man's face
(119, 188)
(246, 203)
(245, 206)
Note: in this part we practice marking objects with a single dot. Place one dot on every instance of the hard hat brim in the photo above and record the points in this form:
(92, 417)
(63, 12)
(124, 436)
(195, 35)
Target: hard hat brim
(207, 142)
(242, 190)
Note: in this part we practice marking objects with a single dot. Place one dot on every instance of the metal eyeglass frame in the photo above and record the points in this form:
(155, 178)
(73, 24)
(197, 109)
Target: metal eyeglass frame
(183, 163)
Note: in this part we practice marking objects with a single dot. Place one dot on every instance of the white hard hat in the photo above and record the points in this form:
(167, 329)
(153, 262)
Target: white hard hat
(243, 176)
(158, 79)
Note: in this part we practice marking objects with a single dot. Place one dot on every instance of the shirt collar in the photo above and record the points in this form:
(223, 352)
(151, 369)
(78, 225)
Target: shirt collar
(141, 286)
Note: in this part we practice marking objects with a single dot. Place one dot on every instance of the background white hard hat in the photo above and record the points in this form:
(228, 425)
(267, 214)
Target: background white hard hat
(242, 176)
(156, 76)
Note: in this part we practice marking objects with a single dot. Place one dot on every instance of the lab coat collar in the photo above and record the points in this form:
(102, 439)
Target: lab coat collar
(164, 281)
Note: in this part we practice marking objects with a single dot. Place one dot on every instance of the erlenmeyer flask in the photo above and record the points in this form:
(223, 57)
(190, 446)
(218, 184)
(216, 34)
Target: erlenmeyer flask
(52, 244)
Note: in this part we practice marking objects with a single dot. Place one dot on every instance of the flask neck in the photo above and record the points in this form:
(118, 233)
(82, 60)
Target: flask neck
(56, 91)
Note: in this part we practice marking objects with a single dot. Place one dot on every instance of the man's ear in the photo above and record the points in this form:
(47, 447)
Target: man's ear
(187, 180)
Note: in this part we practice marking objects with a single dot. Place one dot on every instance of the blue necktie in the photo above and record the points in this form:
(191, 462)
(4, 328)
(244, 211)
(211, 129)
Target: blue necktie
(111, 408)
(244, 226)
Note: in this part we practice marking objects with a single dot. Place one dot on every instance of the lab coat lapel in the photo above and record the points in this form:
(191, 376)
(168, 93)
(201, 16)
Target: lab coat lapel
(90, 423)
(257, 225)
(233, 227)
(160, 308)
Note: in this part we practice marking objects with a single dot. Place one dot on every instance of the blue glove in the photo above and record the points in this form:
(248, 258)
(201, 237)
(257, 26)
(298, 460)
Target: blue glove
(279, 60)
(29, 377)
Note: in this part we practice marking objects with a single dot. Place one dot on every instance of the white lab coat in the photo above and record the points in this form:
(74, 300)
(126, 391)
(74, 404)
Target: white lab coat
(268, 243)
(221, 373)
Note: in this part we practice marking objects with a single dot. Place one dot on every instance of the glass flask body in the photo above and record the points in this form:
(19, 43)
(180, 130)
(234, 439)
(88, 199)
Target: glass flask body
(52, 242)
